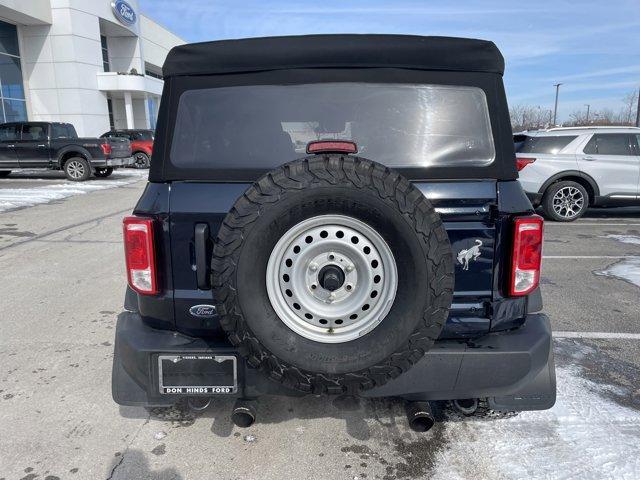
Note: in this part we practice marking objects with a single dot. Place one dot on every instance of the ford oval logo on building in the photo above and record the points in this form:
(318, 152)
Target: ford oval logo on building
(203, 311)
(123, 12)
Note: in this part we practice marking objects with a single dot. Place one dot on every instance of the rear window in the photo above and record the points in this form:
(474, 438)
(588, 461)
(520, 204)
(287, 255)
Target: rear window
(263, 126)
(550, 145)
(63, 130)
(141, 136)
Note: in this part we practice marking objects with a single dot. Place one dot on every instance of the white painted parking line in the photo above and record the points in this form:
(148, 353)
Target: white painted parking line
(615, 257)
(597, 335)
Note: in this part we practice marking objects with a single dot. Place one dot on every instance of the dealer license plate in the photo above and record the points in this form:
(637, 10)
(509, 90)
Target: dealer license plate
(198, 374)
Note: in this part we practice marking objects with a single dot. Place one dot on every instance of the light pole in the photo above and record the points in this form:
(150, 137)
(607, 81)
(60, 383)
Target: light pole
(555, 108)
(638, 111)
(588, 107)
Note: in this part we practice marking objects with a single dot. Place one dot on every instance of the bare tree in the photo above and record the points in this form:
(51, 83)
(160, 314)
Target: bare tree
(529, 117)
(628, 112)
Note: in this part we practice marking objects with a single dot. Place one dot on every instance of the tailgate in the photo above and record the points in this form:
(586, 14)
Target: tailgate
(465, 207)
(120, 147)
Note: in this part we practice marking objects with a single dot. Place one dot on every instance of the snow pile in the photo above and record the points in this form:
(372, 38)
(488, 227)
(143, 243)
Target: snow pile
(585, 435)
(12, 198)
(632, 239)
(627, 270)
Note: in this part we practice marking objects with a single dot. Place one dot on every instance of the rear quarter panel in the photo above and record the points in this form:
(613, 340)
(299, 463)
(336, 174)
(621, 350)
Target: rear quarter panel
(533, 176)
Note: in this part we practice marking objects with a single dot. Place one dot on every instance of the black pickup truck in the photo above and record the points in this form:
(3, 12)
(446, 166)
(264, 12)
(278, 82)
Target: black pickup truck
(331, 215)
(56, 146)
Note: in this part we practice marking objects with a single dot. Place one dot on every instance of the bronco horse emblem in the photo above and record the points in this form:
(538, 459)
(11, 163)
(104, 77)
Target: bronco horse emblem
(468, 254)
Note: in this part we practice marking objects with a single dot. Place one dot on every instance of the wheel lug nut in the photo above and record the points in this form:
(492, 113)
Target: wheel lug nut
(332, 297)
(349, 268)
(313, 267)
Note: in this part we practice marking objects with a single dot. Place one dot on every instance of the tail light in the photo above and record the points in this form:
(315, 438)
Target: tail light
(106, 148)
(523, 162)
(527, 255)
(140, 255)
(332, 146)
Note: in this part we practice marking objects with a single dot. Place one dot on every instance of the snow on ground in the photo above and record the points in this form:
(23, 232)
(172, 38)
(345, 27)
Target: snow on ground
(586, 435)
(627, 270)
(13, 198)
(632, 239)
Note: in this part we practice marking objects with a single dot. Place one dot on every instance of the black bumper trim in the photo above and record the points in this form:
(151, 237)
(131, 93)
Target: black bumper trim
(514, 369)
(535, 198)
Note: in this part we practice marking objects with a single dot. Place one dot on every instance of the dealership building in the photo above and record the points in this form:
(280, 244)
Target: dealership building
(93, 63)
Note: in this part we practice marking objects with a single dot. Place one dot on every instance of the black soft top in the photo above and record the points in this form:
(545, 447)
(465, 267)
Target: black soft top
(334, 51)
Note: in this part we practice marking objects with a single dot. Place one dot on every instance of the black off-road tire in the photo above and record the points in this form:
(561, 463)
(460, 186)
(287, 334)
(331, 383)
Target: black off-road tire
(351, 186)
(4, 173)
(103, 172)
(77, 169)
(550, 193)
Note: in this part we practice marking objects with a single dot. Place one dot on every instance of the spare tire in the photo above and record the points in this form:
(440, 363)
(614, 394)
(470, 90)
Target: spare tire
(332, 274)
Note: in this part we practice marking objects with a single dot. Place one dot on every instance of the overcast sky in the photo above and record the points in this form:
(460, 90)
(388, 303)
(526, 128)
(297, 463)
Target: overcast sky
(593, 47)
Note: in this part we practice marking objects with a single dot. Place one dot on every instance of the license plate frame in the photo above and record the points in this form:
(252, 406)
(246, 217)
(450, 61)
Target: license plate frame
(228, 387)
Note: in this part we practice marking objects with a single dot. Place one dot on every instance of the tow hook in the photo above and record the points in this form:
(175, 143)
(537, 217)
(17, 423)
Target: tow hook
(244, 413)
(420, 416)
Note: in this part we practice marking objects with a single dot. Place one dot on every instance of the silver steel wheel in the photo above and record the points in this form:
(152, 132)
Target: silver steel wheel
(331, 278)
(75, 169)
(568, 202)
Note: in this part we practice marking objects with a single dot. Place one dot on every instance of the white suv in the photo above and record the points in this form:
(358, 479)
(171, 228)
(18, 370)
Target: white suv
(566, 170)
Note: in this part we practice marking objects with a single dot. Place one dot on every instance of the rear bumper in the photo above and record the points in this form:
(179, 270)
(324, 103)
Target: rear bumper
(112, 162)
(120, 162)
(515, 369)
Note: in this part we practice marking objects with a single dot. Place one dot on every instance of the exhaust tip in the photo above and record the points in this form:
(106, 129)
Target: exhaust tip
(243, 414)
(420, 416)
(466, 406)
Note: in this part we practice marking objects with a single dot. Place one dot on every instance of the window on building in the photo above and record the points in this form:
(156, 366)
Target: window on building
(152, 70)
(110, 108)
(153, 74)
(105, 53)
(14, 107)
(152, 105)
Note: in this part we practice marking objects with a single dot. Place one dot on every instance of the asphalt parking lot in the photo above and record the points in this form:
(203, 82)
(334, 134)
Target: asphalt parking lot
(62, 286)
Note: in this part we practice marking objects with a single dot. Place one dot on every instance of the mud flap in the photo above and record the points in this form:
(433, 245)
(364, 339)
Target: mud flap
(539, 394)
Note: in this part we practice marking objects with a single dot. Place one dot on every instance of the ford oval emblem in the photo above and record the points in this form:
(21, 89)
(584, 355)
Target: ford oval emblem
(203, 311)
(124, 12)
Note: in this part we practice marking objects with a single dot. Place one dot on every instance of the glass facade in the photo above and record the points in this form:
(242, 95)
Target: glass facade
(14, 106)
(152, 104)
(105, 53)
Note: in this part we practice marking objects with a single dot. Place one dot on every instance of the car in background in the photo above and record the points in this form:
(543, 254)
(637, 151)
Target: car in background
(141, 144)
(56, 146)
(566, 170)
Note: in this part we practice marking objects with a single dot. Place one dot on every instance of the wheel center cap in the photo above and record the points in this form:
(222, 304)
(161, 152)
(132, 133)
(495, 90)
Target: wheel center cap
(331, 277)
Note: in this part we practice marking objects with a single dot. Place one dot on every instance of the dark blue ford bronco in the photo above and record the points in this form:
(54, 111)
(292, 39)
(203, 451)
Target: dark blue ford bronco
(334, 215)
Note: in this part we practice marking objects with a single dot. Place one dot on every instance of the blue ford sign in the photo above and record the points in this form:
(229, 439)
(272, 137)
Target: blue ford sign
(124, 12)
